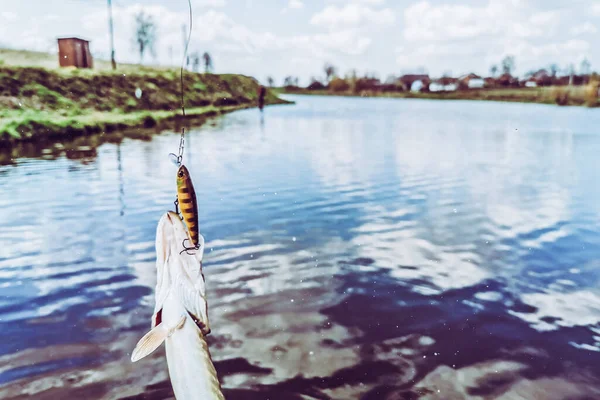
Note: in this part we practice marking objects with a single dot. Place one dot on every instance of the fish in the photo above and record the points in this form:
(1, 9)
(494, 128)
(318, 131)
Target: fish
(180, 317)
(188, 205)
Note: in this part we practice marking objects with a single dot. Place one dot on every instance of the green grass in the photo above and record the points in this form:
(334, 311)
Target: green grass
(44, 103)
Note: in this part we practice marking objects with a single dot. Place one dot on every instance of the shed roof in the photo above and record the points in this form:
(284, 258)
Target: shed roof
(72, 38)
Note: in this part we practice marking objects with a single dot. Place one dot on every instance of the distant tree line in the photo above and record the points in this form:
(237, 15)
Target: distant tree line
(501, 75)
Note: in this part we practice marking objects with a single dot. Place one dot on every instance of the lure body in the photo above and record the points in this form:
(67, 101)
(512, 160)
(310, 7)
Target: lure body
(188, 205)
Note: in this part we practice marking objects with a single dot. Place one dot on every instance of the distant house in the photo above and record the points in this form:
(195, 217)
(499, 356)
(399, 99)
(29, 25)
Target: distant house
(417, 86)
(316, 85)
(74, 52)
(507, 80)
(578, 80)
(539, 78)
(476, 83)
(444, 84)
(436, 87)
(471, 81)
(409, 82)
(361, 84)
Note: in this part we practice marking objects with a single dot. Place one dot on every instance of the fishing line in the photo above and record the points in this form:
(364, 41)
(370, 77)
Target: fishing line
(178, 159)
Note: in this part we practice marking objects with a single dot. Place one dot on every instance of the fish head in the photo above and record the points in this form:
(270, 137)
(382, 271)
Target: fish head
(179, 273)
(170, 234)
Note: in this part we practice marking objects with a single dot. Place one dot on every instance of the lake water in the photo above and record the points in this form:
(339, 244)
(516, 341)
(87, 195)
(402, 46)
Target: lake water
(356, 248)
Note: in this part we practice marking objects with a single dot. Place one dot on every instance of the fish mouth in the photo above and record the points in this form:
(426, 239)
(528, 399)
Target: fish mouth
(203, 328)
(171, 215)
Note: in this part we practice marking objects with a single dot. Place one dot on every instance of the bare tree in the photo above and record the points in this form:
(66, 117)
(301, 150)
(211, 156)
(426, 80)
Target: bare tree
(508, 64)
(585, 67)
(195, 60)
(270, 81)
(208, 64)
(553, 69)
(329, 71)
(288, 81)
(145, 34)
(493, 70)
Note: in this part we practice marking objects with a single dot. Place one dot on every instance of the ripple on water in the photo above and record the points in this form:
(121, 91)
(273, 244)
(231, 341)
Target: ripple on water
(380, 241)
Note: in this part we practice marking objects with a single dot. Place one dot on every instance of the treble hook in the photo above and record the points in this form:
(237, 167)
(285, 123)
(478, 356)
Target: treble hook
(186, 249)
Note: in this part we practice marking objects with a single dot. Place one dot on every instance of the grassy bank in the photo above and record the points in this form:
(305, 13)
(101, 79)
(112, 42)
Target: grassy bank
(38, 103)
(561, 95)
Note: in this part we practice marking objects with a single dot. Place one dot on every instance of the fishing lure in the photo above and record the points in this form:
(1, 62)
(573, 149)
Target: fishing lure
(186, 199)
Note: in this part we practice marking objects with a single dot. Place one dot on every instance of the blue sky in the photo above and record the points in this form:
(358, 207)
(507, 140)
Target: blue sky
(296, 37)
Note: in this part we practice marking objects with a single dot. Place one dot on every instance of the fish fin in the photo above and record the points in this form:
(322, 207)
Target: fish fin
(150, 342)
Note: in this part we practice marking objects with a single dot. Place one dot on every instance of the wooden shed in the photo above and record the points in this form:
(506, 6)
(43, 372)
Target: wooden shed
(74, 52)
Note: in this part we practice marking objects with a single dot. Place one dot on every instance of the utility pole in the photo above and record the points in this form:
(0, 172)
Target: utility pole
(112, 36)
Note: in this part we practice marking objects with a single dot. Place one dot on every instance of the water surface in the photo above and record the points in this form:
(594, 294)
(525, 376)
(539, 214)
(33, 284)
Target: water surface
(356, 248)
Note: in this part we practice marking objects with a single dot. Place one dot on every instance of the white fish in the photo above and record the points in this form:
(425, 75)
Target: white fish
(180, 316)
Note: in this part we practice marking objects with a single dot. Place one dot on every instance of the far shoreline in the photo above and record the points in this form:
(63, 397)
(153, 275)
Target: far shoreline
(550, 95)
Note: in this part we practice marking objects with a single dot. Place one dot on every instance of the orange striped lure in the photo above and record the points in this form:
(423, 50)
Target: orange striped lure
(188, 205)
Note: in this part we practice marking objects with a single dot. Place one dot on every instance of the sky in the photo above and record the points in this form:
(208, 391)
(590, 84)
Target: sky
(297, 37)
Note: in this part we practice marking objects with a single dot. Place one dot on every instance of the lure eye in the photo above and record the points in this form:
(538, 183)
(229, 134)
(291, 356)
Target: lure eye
(180, 174)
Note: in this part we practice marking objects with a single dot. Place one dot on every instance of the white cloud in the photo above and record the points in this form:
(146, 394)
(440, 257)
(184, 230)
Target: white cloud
(352, 15)
(460, 36)
(209, 3)
(235, 47)
(295, 4)
(370, 2)
(586, 27)
(424, 21)
(466, 38)
(8, 15)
